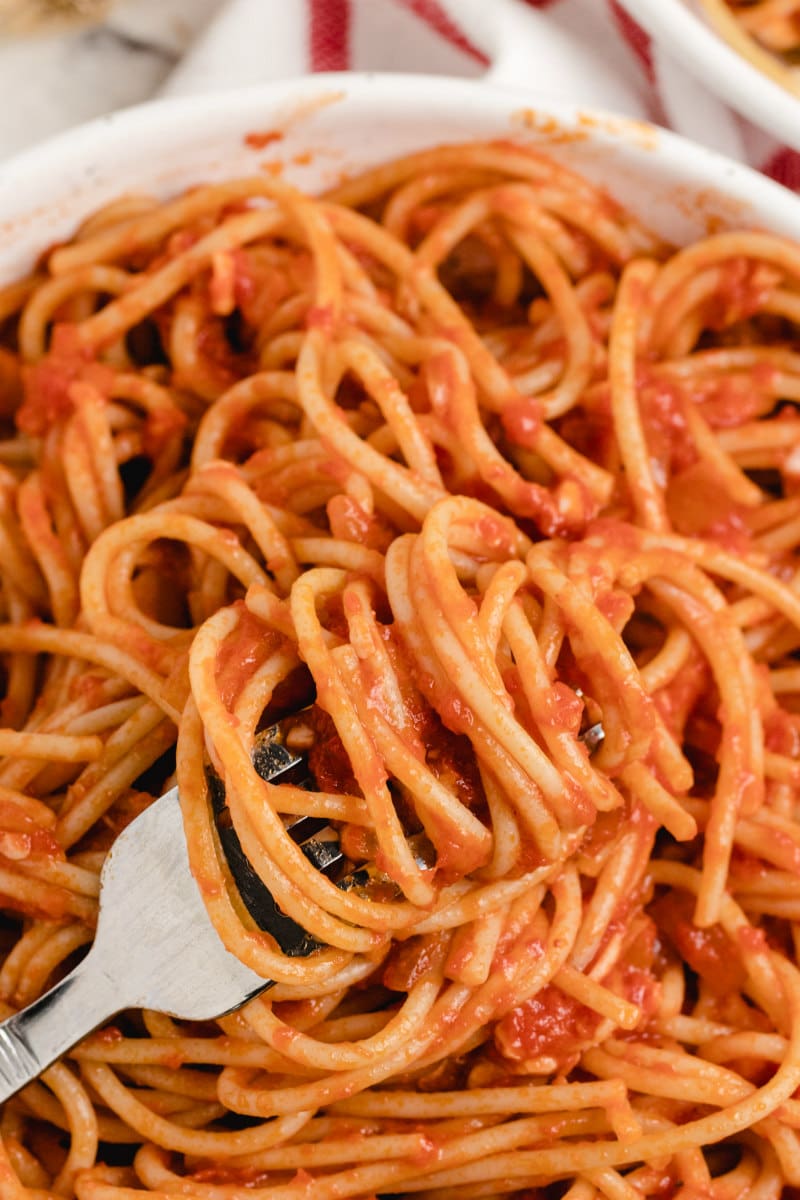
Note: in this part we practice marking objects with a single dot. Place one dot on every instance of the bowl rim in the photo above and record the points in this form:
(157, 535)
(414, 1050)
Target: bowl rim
(701, 50)
(73, 156)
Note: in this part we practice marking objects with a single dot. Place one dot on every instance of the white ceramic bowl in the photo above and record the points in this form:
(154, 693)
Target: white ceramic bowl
(687, 38)
(334, 125)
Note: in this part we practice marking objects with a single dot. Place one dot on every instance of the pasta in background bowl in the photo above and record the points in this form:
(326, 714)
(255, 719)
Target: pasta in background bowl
(706, 38)
(495, 443)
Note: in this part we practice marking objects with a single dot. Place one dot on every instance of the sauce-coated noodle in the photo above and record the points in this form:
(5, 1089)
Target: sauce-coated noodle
(466, 449)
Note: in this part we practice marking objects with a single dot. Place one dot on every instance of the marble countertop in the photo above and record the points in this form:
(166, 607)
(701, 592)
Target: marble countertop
(59, 76)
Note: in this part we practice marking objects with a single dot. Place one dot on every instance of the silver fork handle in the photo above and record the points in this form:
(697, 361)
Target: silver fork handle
(34, 1038)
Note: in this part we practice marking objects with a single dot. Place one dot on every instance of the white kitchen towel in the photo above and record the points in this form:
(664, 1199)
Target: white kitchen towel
(587, 51)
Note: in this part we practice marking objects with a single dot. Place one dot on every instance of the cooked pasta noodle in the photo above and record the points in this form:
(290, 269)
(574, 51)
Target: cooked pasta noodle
(506, 490)
(765, 32)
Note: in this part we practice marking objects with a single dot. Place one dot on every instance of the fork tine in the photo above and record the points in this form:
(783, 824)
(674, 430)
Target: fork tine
(276, 762)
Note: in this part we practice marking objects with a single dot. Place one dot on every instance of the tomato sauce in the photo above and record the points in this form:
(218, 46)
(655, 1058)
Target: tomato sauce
(357, 842)
(662, 407)
(107, 1036)
(47, 383)
(38, 843)
(327, 757)
(221, 1173)
(744, 287)
(214, 349)
(242, 653)
(709, 952)
(782, 732)
(52, 905)
(10, 383)
(676, 701)
(549, 1025)
(322, 317)
(454, 857)
(731, 400)
(349, 522)
(258, 139)
(161, 425)
(522, 421)
(415, 959)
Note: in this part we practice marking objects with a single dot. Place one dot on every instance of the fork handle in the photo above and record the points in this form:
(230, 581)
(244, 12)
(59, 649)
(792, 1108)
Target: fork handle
(35, 1037)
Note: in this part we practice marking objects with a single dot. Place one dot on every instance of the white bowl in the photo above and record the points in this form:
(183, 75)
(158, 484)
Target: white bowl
(687, 38)
(333, 125)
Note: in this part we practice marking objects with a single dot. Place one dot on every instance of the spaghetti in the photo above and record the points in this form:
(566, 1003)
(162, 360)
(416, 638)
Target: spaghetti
(765, 32)
(467, 451)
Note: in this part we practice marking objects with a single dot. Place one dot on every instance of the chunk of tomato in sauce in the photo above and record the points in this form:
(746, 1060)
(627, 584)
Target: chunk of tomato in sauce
(549, 1025)
(708, 952)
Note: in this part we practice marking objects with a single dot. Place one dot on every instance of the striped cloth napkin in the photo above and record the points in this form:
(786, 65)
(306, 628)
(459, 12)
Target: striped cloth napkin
(586, 51)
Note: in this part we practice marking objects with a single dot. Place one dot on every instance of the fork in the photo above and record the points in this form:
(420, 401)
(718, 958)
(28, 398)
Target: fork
(155, 946)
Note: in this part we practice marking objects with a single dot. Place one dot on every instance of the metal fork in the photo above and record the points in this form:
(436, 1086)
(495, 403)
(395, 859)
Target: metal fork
(155, 946)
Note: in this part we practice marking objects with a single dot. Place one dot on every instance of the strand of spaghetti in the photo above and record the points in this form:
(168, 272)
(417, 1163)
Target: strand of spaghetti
(416, 495)
(264, 388)
(282, 1100)
(457, 646)
(673, 1074)
(737, 781)
(381, 384)
(740, 489)
(91, 420)
(558, 1162)
(45, 302)
(122, 234)
(612, 886)
(657, 800)
(407, 601)
(317, 1056)
(593, 995)
(718, 248)
(573, 321)
(37, 527)
(222, 480)
(44, 899)
(564, 748)
(473, 948)
(129, 309)
(457, 835)
(521, 1098)
(132, 747)
(613, 228)
(125, 539)
(82, 1126)
(50, 957)
(400, 206)
(14, 295)
(35, 638)
(368, 770)
(632, 709)
(171, 1135)
(454, 399)
(52, 746)
(317, 904)
(634, 290)
(21, 567)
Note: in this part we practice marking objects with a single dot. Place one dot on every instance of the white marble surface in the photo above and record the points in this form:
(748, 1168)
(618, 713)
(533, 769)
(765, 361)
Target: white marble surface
(53, 79)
